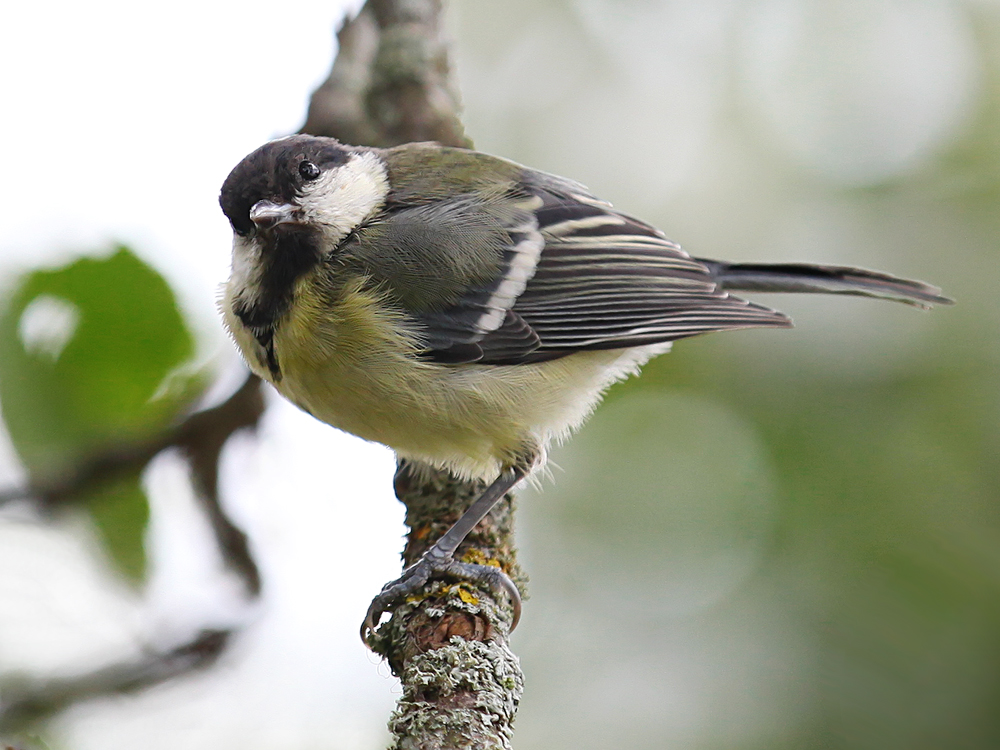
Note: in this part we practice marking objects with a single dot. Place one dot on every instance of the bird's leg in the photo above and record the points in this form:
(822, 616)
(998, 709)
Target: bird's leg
(439, 560)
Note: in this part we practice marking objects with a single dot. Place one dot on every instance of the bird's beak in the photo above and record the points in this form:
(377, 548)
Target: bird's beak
(266, 214)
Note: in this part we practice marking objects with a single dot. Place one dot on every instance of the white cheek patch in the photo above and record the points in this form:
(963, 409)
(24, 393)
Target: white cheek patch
(343, 197)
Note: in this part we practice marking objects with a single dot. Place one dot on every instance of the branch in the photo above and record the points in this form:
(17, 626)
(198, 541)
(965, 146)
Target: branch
(391, 84)
(26, 701)
(450, 647)
(201, 437)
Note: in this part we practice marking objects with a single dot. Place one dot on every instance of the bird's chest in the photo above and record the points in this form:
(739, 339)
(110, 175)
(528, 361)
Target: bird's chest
(343, 355)
(353, 360)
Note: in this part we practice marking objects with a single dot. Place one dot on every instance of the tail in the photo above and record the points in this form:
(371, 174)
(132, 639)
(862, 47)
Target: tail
(805, 277)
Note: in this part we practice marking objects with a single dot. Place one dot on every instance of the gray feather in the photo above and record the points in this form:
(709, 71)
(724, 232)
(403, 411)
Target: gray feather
(804, 277)
(498, 264)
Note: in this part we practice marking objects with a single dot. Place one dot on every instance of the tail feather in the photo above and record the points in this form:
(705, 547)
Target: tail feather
(806, 277)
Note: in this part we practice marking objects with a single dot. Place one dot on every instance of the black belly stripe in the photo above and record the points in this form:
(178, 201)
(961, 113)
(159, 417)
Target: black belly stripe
(264, 335)
(266, 341)
(288, 254)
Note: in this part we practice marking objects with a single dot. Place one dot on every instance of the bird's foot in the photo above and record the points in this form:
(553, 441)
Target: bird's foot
(437, 564)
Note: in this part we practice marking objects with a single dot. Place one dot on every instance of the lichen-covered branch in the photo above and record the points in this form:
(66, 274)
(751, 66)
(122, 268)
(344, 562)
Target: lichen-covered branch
(449, 645)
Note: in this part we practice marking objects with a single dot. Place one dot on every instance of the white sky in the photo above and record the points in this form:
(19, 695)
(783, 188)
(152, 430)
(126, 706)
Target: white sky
(121, 120)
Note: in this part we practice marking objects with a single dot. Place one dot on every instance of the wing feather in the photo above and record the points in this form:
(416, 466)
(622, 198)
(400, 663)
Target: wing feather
(605, 281)
(568, 273)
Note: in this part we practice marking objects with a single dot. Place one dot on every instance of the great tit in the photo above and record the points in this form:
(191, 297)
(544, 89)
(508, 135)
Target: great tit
(467, 311)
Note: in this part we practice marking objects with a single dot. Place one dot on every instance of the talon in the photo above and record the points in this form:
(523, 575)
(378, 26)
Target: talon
(515, 599)
(433, 565)
(439, 560)
(368, 626)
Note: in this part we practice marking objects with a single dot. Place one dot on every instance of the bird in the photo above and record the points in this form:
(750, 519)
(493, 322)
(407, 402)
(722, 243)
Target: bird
(468, 311)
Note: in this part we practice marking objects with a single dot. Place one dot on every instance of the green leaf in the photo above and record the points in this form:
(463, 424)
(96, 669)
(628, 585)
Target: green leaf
(84, 353)
(120, 512)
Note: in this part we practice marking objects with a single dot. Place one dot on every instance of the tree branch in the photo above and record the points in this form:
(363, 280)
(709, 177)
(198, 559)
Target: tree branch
(450, 647)
(201, 436)
(26, 701)
(391, 84)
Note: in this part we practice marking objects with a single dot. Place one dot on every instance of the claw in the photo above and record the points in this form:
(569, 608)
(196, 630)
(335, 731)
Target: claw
(439, 560)
(434, 566)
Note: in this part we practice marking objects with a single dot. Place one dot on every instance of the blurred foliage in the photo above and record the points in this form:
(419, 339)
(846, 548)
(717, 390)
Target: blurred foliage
(855, 601)
(86, 354)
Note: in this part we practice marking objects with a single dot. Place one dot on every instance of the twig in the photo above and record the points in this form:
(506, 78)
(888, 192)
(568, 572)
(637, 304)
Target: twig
(201, 436)
(24, 702)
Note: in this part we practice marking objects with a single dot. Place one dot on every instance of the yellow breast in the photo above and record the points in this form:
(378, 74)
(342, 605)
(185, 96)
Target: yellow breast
(350, 359)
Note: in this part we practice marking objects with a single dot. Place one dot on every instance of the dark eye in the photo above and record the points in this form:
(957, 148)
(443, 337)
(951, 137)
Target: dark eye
(308, 170)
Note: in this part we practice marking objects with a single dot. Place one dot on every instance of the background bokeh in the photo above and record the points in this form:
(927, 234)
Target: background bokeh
(773, 539)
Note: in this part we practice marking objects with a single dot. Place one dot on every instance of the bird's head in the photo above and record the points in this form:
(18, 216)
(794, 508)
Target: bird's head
(302, 185)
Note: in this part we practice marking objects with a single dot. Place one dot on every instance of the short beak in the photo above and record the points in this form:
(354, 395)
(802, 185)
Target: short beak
(266, 214)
